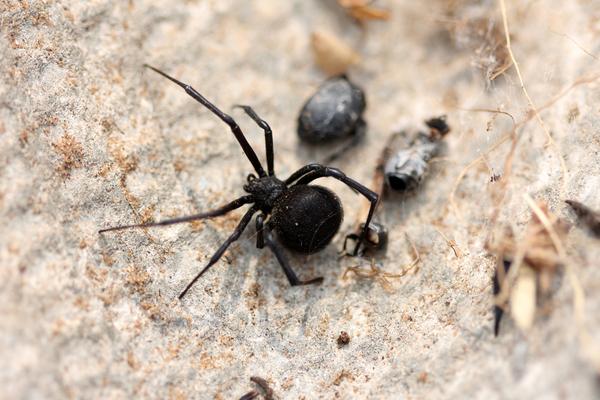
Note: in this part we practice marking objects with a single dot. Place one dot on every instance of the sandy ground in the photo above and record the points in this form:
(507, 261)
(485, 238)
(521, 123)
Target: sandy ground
(89, 139)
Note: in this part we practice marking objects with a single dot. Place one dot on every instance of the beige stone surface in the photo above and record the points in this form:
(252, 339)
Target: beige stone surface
(89, 139)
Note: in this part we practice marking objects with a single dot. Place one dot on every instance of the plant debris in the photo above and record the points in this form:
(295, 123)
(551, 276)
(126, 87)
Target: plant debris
(331, 54)
(376, 273)
(485, 38)
(363, 10)
(533, 261)
(264, 385)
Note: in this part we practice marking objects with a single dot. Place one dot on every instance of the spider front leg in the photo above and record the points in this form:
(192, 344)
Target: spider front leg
(237, 203)
(234, 236)
(318, 171)
(235, 129)
(268, 135)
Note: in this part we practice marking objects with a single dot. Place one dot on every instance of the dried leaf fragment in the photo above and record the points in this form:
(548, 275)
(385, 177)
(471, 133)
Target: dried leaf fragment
(362, 10)
(539, 250)
(381, 276)
(331, 54)
(535, 258)
(522, 298)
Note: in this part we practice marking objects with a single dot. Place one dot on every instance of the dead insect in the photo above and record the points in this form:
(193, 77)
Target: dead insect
(333, 113)
(400, 172)
(375, 240)
(304, 217)
(405, 169)
(587, 216)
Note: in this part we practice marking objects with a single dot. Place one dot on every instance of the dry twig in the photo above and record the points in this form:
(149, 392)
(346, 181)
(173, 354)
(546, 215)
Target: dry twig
(512, 134)
(451, 243)
(380, 276)
(541, 251)
(535, 259)
(550, 140)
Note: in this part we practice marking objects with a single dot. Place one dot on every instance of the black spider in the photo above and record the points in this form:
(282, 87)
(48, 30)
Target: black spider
(304, 217)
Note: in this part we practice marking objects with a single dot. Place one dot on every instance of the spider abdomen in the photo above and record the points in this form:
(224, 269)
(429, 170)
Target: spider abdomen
(306, 217)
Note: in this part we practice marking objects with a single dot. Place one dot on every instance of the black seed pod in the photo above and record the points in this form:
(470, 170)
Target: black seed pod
(307, 217)
(333, 112)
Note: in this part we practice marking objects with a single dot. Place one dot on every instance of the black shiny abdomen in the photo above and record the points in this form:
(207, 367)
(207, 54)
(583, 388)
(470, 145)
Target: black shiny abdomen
(306, 217)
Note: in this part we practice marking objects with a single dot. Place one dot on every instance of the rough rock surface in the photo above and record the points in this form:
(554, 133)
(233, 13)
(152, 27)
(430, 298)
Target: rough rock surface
(89, 139)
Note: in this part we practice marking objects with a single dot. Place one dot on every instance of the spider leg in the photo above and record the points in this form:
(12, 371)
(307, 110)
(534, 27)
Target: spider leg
(237, 132)
(260, 237)
(285, 265)
(303, 171)
(268, 135)
(373, 197)
(234, 236)
(237, 203)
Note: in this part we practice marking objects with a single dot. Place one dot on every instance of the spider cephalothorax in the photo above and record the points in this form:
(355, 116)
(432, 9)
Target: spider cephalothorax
(303, 217)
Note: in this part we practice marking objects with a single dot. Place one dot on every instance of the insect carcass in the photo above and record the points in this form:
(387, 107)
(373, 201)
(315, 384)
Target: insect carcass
(405, 169)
